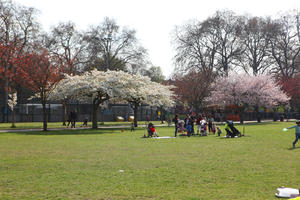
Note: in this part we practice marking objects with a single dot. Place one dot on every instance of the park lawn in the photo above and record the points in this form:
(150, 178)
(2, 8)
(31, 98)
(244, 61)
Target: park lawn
(86, 164)
(39, 125)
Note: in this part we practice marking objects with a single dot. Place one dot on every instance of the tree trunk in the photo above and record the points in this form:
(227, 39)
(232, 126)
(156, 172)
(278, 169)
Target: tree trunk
(257, 114)
(241, 114)
(95, 115)
(13, 119)
(135, 110)
(44, 116)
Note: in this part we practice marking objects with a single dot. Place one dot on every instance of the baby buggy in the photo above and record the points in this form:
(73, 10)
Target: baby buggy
(231, 130)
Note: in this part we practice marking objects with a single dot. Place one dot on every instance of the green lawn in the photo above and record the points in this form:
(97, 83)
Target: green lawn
(39, 125)
(86, 164)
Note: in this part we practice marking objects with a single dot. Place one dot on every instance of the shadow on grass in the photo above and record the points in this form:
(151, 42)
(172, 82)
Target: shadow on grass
(255, 123)
(293, 148)
(73, 132)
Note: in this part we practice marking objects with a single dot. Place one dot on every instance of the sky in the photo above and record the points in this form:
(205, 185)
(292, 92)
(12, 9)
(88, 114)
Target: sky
(154, 20)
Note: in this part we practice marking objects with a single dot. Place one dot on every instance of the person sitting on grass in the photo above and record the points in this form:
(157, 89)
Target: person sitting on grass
(153, 132)
(149, 129)
(297, 132)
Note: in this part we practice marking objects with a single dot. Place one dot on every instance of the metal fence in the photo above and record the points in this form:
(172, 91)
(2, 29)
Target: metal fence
(33, 112)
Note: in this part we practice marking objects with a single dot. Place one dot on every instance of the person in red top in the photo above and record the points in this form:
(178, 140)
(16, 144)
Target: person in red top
(153, 131)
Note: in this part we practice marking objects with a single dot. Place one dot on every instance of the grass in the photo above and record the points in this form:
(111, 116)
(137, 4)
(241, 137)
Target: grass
(39, 125)
(86, 164)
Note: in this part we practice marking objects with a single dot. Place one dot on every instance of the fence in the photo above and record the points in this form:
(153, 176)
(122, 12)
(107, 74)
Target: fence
(33, 112)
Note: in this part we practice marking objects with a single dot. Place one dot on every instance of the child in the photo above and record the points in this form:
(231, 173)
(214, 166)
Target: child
(132, 127)
(297, 132)
(153, 131)
(219, 131)
(203, 127)
(181, 126)
(213, 128)
(85, 122)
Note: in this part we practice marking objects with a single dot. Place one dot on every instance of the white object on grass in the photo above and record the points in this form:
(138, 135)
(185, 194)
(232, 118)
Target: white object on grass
(121, 170)
(287, 192)
(284, 129)
(164, 137)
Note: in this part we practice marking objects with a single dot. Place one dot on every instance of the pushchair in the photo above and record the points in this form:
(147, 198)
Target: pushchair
(231, 130)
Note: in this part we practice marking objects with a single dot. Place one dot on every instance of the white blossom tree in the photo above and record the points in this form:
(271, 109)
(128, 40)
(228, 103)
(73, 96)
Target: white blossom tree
(12, 102)
(245, 90)
(141, 90)
(98, 87)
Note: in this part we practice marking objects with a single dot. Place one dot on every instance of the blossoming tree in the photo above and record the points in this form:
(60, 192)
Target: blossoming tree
(141, 90)
(40, 74)
(244, 91)
(98, 86)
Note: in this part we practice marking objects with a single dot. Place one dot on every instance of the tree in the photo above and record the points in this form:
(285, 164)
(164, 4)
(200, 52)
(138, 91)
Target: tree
(285, 45)
(209, 45)
(140, 90)
(227, 29)
(292, 87)
(244, 90)
(41, 75)
(255, 39)
(193, 88)
(155, 74)
(196, 47)
(69, 45)
(99, 86)
(12, 102)
(18, 28)
(116, 46)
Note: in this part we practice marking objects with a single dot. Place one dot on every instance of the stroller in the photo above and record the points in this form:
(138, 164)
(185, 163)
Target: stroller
(231, 130)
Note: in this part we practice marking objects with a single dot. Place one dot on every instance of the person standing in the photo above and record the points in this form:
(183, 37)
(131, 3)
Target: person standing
(210, 123)
(297, 132)
(188, 125)
(132, 127)
(73, 118)
(175, 120)
(198, 122)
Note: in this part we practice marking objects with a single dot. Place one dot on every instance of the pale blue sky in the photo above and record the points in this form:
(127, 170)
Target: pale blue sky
(154, 20)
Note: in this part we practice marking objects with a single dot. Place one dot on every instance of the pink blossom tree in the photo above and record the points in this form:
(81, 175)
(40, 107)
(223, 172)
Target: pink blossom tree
(244, 91)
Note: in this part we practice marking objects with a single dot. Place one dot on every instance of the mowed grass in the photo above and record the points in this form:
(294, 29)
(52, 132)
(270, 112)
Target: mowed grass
(86, 164)
(39, 125)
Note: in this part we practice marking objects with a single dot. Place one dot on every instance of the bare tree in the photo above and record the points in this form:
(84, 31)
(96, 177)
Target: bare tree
(118, 47)
(67, 43)
(209, 45)
(227, 29)
(285, 46)
(195, 47)
(255, 39)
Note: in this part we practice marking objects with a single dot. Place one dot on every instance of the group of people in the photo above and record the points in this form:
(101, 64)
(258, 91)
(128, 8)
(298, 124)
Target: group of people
(204, 125)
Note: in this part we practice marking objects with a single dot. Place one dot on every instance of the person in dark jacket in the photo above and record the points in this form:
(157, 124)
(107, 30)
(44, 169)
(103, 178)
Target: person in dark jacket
(175, 120)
